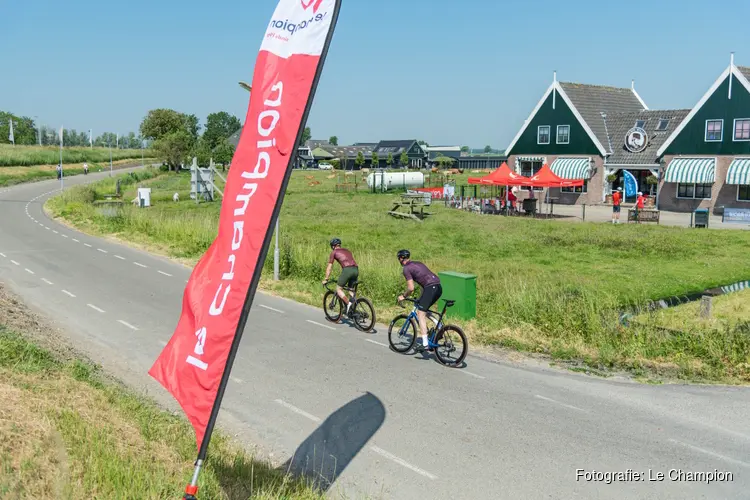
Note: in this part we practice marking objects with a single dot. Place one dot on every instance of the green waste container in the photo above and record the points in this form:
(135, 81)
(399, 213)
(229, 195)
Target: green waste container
(463, 289)
(701, 217)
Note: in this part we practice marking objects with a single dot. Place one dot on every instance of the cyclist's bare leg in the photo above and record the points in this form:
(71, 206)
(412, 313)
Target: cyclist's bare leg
(422, 316)
(342, 295)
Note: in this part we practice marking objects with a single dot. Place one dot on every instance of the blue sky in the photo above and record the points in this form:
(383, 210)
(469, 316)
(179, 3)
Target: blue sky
(447, 72)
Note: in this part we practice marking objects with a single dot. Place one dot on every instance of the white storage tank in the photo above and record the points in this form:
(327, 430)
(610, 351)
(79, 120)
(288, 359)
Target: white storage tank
(395, 180)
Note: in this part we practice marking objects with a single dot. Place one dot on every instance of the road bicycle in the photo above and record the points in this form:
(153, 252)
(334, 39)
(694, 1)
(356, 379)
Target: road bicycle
(449, 341)
(361, 313)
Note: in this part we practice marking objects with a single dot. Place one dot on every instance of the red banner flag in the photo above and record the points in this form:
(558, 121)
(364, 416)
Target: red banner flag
(195, 364)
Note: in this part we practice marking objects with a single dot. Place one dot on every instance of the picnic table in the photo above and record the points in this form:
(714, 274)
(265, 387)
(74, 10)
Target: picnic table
(643, 215)
(412, 206)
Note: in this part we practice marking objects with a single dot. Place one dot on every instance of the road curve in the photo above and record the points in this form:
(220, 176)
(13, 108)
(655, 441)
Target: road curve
(339, 404)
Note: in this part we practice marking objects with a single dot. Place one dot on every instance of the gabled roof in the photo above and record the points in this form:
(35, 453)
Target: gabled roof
(740, 74)
(593, 100)
(348, 151)
(395, 147)
(619, 124)
(456, 149)
(587, 103)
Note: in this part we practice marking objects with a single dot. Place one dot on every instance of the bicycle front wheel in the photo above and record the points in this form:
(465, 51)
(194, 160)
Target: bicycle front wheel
(452, 346)
(402, 333)
(364, 315)
(332, 306)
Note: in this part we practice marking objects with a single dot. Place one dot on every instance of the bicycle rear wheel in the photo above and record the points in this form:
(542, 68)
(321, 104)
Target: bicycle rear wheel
(452, 346)
(332, 306)
(402, 333)
(364, 315)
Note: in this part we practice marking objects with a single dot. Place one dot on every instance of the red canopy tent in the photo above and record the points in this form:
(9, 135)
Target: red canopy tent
(547, 178)
(503, 176)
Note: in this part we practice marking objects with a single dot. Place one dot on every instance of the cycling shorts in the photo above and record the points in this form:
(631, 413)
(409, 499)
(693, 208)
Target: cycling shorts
(348, 276)
(430, 295)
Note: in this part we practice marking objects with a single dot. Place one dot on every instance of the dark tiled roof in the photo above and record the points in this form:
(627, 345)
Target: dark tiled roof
(619, 124)
(395, 147)
(593, 100)
(316, 143)
(745, 71)
(234, 139)
(348, 151)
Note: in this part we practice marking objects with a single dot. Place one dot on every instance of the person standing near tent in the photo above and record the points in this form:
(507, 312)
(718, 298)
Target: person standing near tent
(639, 204)
(616, 204)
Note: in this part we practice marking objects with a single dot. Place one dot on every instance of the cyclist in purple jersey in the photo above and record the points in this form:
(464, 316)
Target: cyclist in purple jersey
(349, 270)
(431, 289)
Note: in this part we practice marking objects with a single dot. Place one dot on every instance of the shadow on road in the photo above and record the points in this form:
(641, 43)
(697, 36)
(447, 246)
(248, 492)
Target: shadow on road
(328, 451)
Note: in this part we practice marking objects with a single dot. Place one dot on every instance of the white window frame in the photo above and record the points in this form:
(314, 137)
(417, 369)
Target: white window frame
(666, 120)
(572, 190)
(557, 138)
(539, 133)
(734, 130)
(677, 191)
(738, 195)
(705, 131)
(642, 122)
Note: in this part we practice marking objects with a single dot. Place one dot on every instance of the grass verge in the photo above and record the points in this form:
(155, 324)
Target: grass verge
(543, 286)
(25, 156)
(68, 432)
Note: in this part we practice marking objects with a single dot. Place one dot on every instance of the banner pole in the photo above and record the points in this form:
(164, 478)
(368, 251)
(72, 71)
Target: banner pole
(192, 489)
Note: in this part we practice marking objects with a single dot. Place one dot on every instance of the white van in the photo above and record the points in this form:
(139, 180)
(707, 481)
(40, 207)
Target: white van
(325, 166)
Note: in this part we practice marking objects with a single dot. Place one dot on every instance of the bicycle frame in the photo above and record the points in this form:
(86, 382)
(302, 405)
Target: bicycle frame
(438, 324)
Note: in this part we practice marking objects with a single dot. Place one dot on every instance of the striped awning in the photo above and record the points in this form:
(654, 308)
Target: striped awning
(691, 171)
(739, 172)
(572, 168)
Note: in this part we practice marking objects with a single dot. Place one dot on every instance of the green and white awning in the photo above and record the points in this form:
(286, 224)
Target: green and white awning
(739, 172)
(572, 168)
(691, 171)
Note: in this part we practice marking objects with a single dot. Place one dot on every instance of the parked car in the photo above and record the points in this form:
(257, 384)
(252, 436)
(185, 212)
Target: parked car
(325, 166)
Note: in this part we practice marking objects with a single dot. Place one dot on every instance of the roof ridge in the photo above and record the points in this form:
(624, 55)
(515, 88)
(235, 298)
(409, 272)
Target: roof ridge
(609, 87)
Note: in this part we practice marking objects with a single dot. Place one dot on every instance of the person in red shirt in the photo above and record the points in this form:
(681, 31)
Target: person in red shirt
(616, 204)
(349, 270)
(639, 204)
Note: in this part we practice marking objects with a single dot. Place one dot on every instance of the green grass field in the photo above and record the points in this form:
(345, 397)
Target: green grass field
(10, 176)
(25, 156)
(543, 286)
(68, 432)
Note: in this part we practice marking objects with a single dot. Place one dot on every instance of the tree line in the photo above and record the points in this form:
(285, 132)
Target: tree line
(27, 132)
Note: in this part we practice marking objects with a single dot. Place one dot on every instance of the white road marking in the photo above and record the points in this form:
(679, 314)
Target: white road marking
(68, 294)
(102, 251)
(297, 410)
(55, 232)
(402, 462)
(711, 453)
(320, 324)
(471, 374)
(376, 342)
(139, 264)
(236, 380)
(119, 257)
(29, 271)
(3, 255)
(47, 281)
(64, 235)
(92, 306)
(559, 403)
(14, 262)
(271, 309)
(86, 244)
(48, 229)
(163, 343)
(165, 274)
(127, 324)
(76, 240)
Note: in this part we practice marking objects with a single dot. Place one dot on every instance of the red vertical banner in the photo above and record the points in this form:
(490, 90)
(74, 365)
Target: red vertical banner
(195, 364)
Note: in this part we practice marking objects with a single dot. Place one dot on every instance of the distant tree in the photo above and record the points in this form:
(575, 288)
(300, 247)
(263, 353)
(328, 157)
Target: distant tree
(389, 160)
(223, 153)
(133, 142)
(404, 160)
(488, 149)
(464, 149)
(219, 127)
(202, 152)
(24, 130)
(375, 160)
(423, 143)
(360, 161)
(445, 161)
(333, 141)
(161, 122)
(174, 147)
(306, 136)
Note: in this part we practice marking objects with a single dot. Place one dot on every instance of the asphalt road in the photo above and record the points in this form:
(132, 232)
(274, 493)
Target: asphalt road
(385, 425)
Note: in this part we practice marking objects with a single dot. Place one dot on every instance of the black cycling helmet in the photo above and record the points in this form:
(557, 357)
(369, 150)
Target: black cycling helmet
(403, 254)
(335, 242)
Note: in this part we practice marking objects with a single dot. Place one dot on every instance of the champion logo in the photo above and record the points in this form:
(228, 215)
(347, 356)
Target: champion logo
(315, 4)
